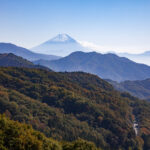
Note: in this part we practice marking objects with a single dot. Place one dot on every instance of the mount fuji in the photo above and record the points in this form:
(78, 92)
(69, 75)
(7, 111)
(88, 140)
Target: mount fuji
(61, 45)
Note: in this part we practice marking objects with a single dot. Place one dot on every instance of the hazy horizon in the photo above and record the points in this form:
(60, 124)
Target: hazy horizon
(120, 26)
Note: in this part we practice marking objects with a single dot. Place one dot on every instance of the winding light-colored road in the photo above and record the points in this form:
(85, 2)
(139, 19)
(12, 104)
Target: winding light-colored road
(135, 127)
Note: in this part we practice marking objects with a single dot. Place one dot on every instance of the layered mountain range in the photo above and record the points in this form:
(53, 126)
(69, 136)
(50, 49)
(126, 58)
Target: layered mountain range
(138, 88)
(23, 52)
(107, 66)
(11, 60)
(140, 58)
(71, 106)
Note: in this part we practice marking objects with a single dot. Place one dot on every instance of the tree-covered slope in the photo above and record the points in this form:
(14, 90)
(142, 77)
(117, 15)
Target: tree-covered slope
(11, 60)
(138, 88)
(17, 136)
(68, 106)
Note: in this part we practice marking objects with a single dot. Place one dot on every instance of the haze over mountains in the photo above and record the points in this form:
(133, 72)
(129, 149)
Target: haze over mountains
(67, 106)
(138, 88)
(140, 58)
(61, 45)
(104, 65)
(23, 52)
(64, 84)
(107, 66)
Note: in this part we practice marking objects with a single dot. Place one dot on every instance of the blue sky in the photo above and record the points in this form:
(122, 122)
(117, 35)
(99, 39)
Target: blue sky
(113, 25)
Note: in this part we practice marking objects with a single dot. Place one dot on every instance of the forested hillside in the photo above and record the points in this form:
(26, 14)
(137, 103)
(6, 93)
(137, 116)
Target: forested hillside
(68, 106)
(17, 136)
(11, 60)
(138, 88)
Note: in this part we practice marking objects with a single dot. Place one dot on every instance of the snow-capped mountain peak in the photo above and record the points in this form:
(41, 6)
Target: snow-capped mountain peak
(60, 45)
(62, 38)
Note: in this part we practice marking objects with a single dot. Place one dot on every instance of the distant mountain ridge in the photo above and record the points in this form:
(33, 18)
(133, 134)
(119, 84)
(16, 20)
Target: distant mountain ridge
(107, 66)
(138, 88)
(61, 45)
(11, 60)
(23, 52)
(139, 58)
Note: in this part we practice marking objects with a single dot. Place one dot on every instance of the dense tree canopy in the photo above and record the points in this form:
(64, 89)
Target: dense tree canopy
(17, 136)
(68, 106)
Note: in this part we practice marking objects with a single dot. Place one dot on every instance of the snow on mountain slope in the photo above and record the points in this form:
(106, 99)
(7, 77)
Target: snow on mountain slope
(61, 45)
